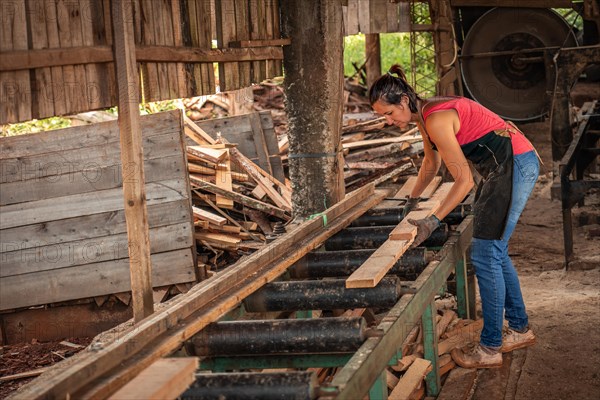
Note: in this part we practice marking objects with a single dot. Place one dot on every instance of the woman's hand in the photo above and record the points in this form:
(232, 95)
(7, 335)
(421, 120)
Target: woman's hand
(425, 228)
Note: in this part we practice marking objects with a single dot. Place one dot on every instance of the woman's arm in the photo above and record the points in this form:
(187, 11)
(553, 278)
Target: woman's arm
(441, 128)
(429, 168)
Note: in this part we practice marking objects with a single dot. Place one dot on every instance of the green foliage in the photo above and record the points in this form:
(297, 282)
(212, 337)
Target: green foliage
(395, 49)
(48, 124)
(35, 126)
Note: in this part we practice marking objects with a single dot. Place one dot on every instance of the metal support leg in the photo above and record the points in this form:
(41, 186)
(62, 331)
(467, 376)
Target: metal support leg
(462, 288)
(379, 390)
(430, 349)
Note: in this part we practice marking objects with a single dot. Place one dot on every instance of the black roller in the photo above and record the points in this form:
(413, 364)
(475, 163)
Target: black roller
(253, 386)
(326, 294)
(371, 237)
(322, 335)
(393, 216)
(321, 264)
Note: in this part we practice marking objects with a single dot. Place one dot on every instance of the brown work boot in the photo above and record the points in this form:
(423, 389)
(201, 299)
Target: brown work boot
(477, 356)
(513, 340)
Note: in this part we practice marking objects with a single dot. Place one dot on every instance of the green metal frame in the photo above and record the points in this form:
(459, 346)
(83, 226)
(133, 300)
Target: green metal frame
(365, 370)
(366, 365)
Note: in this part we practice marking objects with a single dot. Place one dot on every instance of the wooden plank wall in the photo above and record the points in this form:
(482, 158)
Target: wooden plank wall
(373, 16)
(63, 225)
(164, 30)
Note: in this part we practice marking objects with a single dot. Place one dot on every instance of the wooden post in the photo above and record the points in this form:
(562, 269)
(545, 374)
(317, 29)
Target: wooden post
(132, 160)
(314, 86)
(373, 52)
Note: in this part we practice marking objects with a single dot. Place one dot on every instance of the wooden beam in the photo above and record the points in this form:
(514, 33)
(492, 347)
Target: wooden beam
(240, 198)
(411, 380)
(165, 379)
(132, 160)
(373, 54)
(28, 59)
(260, 43)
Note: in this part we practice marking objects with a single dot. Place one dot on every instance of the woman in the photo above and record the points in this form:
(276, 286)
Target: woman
(455, 130)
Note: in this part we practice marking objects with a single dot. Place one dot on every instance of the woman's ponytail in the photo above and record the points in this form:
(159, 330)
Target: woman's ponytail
(390, 89)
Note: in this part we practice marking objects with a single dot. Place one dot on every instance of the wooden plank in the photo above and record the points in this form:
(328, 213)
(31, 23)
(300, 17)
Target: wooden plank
(86, 181)
(376, 266)
(240, 198)
(94, 80)
(108, 277)
(441, 326)
(182, 86)
(254, 171)
(166, 12)
(432, 187)
(352, 26)
(218, 238)
(374, 269)
(75, 15)
(391, 379)
(15, 104)
(229, 72)
(48, 167)
(94, 250)
(83, 136)
(378, 142)
(411, 380)
(242, 33)
(393, 24)
(222, 287)
(57, 72)
(61, 231)
(407, 231)
(22, 60)
(223, 180)
(84, 204)
(378, 14)
(406, 188)
(150, 69)
(198, 134)
(405, 19)
(364, 17)
(212, 155)
(208, 216)
(43, 93)
(260, 43)
(260, 143)
(166, 378)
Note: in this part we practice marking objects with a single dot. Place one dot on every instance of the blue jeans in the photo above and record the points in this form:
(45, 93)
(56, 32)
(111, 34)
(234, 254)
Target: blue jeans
(499, 286)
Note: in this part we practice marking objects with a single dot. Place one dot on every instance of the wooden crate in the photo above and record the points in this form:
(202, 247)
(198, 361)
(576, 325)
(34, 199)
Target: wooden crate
(63, 232)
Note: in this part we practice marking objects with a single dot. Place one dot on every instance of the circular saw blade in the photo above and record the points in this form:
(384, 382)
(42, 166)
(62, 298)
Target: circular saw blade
(512, 86)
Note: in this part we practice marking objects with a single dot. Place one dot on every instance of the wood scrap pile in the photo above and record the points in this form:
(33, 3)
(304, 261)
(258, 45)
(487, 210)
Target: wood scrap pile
(236, 203)
(406, 379)
(355, 96)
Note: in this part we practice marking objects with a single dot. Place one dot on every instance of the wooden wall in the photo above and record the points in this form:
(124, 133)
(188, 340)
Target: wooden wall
(376, 16)
(62, 226)
(56, 55)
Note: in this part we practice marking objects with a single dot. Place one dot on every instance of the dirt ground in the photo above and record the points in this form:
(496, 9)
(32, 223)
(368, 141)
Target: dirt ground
(563, 305)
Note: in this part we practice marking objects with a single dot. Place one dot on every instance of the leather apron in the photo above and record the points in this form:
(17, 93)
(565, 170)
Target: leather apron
(492, 157)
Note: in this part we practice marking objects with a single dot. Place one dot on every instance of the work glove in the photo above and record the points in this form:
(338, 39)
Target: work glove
(425, 227)
(410, 204)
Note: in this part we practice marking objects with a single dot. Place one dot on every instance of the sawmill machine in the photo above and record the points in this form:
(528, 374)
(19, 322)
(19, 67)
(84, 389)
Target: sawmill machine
(505, 48)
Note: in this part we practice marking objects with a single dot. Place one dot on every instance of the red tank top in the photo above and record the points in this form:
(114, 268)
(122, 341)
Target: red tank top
(476, 121)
